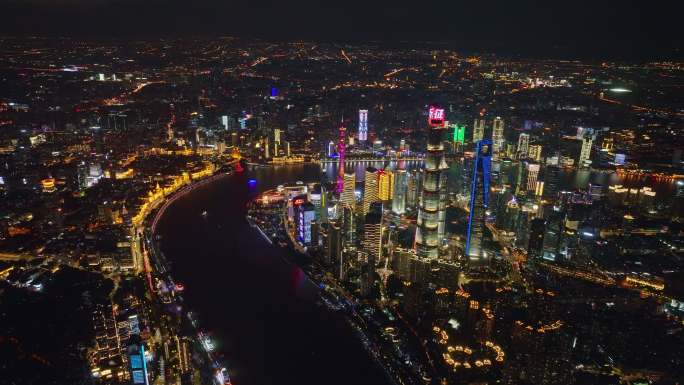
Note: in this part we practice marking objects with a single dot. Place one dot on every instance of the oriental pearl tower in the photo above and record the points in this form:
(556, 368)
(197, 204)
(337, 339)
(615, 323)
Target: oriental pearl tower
(341, 148)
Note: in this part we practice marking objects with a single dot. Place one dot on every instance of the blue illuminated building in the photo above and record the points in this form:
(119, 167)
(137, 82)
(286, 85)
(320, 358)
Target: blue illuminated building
(479, 202)
(305, 214)
(137, 363)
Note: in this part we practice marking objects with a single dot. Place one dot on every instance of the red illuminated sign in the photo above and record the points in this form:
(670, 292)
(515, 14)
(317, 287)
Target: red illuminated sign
(298, 202)
(436, 117)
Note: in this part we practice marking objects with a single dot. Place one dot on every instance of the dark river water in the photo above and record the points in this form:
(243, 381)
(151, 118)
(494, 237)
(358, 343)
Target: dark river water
(259, 307)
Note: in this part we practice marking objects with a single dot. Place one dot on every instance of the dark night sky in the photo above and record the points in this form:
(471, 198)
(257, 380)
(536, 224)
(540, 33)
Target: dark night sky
(557, 28)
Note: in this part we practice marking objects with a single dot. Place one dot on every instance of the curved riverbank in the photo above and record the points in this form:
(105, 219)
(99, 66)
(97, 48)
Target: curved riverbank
(260, 309)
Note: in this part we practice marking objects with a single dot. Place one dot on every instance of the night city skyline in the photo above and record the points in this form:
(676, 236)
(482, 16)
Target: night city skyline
(606, 30)
(357, 193)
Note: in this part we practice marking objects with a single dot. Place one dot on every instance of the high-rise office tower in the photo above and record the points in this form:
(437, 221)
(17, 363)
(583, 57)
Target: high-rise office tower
(276, 135)
(348, 226)
(341, 151)
(333, 244)
(305, 214)
(458, 138)
(399, 193)
(532, 176)
(498, 140)
(535, 152)
(319, 197)
(478, 130)
(607, 144)
(479, 200)
(385, 184)
(372, 233)
(523, 146)
(332, 149)
(431, 206)
(551, 181)
(137, 362)
(370, 189)
(348, 196)
(413, 189)
(459, 134)
(585, 152)
(536, 242)
(363, 125)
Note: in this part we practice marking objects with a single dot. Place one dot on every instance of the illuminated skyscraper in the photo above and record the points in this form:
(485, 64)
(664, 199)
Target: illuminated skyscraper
(412, 189)
(459, 134)
(551, 182)
(136, 361)
(498, 140)
(536, 242)
(535, 152)
(523, 146)
(431, 207)
(332, 149)
(585, 152)
(341, 150)
(363, 125)
(370, 189)
(305, 213)
(372, 233)
(399, 193)
(385, 185)
(479, 199)
(348, 197)
(478, 130)
(532, 176)
(458, 138)
(349, 226)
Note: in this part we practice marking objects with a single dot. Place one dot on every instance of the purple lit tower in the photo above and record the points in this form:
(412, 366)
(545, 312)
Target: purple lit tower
(340, 152)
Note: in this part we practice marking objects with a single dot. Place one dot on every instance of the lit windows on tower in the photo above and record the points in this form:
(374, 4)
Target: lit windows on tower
(432, 203)
(341, 151)
(399, 193)
(478, 130)
(523, 146)
(535, 152)
(498, 140)
(370, 188)
(459, 133)
(436, 117)
(479, 199)
(348, 197)
(585, 152)
(363, 125)
(532, 176)
(385, 185)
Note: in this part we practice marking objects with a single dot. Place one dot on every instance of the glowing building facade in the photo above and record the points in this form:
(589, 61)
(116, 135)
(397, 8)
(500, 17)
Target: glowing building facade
(370, 189)
(432, 205)
(478, 130)
(399, 193)
(479, 199)
(498, 140)
(585, 152)
(348, 197)
(341, 150)
(385, 184)
(523, 146)
(372, 234)
(363, 125)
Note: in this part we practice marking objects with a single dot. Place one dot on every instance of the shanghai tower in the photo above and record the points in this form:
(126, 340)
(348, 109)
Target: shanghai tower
(431, 207)
(479, 200)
